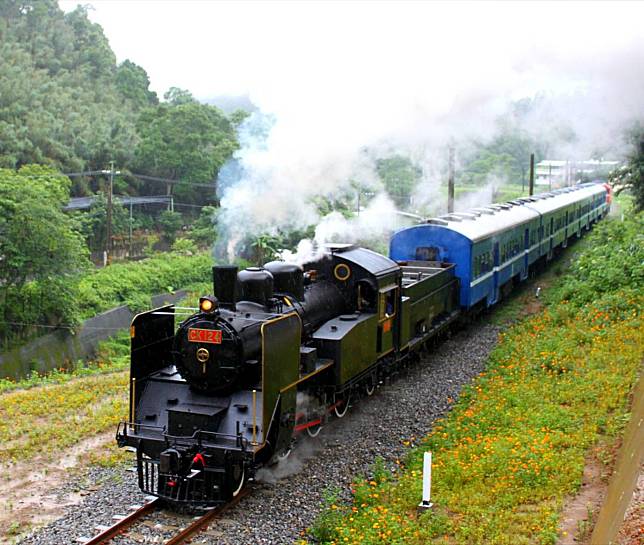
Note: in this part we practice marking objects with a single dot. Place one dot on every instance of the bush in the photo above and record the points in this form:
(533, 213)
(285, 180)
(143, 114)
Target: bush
(613, 259)
(184, 246)
(134, 283)
(170, 223)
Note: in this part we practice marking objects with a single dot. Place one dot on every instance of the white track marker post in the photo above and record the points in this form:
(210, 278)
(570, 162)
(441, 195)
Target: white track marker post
(427, 482)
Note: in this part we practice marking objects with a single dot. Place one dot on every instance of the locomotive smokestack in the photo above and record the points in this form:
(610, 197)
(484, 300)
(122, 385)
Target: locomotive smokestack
(224, 279)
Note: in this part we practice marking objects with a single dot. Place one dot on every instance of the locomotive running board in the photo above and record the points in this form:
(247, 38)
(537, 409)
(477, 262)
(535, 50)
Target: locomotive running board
(321, 368)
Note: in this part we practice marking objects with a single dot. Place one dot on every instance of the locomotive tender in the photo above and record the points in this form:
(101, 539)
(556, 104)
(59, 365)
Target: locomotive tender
(275, 350)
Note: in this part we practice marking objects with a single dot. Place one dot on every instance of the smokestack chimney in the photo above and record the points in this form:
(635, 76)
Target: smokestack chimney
(450, 182)
(224, 280)
(531, 189)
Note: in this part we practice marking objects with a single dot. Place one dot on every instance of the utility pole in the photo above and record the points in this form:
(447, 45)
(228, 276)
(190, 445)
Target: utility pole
(450, 181)
(531, 187)
(108, 242)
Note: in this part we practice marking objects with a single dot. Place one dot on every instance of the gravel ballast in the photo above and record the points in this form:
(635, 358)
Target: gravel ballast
(290, 495)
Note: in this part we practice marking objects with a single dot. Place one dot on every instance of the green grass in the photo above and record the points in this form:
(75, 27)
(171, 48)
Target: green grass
(47, 419)
(503, 193)
(134, 283)
(514, 446)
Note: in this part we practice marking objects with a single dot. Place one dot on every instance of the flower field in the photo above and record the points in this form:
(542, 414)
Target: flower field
(44, 420)
(514, 446)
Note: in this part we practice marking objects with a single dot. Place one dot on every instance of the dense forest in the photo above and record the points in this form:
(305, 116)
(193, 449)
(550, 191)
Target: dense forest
(66, 103)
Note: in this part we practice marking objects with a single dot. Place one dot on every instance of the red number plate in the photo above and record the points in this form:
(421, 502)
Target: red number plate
(204, 335)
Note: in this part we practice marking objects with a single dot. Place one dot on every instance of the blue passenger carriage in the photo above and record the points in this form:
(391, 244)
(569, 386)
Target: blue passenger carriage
(496, 245)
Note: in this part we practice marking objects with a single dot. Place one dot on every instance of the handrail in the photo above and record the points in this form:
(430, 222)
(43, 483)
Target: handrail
(239, 440)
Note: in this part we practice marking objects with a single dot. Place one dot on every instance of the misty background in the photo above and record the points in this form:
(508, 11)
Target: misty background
(353, 106)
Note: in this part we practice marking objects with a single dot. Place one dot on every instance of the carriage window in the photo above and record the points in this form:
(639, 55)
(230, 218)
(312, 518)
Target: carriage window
(427, 253)
(387, 306)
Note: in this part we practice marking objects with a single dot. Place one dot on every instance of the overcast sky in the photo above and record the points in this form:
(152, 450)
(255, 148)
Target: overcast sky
(264, 48)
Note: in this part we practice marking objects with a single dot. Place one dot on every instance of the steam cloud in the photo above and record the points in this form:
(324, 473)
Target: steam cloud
(325, 132)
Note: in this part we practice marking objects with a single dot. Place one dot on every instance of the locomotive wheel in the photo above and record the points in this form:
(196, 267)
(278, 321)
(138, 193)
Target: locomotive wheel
(314, 431)
(238, 482)
(370, 386)
(343, 402)
(284, 454)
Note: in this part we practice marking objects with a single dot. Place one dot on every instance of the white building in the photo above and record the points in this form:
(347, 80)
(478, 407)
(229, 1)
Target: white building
(555, 173)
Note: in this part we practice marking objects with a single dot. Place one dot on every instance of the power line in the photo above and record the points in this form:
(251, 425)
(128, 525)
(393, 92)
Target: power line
(143, 177)
(62, 326)
(190, 205)
(147, 178)
(85, 173)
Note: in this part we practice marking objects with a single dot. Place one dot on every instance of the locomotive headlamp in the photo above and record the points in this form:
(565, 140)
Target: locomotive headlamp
(208, 304)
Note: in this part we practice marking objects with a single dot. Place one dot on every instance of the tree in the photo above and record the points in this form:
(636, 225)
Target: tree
(133, 83)
(238, 117)
(176, 96)
(59, 103)
(188, 142)
(204, 231)
(399, 176)
(40, 249)
(170, 223)
(93, 223)
(265, 248)
(631, 175)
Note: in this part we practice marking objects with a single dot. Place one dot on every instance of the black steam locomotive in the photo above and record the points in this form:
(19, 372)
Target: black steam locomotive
(272, 354)
(276, 350)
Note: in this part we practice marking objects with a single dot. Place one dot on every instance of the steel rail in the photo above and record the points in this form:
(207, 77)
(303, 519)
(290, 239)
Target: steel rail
(203, 521)
(121, 525)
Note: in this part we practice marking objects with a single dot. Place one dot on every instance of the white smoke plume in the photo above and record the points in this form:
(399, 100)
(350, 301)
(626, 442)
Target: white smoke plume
(374, 221)
(446, 80)
(299, 459)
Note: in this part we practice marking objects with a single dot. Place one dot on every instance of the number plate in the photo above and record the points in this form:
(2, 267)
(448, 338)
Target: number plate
(212, 336)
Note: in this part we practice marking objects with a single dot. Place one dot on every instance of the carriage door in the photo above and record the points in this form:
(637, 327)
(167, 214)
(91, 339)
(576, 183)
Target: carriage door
(387, 310)
(495, 274)
(526, 254)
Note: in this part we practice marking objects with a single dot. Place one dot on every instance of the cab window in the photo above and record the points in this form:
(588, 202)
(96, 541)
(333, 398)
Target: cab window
(387, 304)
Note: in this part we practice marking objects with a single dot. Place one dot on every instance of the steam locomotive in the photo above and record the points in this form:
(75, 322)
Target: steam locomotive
(276, 350)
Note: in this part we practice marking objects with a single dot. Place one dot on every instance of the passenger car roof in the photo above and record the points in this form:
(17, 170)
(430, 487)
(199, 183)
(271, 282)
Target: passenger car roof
(482, 222)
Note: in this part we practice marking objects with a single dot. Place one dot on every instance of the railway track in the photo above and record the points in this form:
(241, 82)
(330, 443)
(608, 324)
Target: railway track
(121, 526)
